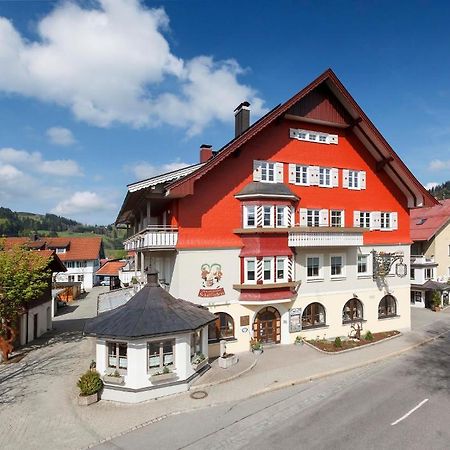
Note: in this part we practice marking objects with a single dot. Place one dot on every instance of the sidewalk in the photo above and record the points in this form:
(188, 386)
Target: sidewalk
(41, 409)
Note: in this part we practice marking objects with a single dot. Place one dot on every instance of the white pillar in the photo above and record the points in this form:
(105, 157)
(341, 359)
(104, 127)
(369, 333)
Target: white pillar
(204, 337)
(183, 356)
(101, 356)
(137, 375)
(143, 266)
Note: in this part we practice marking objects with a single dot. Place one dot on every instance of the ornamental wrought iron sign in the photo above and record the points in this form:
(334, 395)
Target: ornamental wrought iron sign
(383, 262)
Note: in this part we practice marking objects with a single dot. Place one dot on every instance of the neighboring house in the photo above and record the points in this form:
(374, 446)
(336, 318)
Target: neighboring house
(109, 272)
(275, 232)
(430, 253)
(80, 255)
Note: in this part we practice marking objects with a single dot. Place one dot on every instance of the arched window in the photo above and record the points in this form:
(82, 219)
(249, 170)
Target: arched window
(313, 316)
(352, 311)
(387, 307)
(222, 328)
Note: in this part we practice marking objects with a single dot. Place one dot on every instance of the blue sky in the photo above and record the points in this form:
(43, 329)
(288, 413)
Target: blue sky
(95, 95)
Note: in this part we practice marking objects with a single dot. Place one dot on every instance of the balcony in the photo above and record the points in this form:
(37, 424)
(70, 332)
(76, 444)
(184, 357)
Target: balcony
(153, 238)
(422, 260)
(325, 237)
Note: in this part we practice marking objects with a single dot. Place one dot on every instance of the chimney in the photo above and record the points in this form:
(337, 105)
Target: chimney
(152, 279)
(241, 118)
(206, 152)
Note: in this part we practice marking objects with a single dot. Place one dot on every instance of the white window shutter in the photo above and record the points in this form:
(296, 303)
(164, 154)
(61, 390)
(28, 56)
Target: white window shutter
(375, 220)
(362, 179)
(313, 175)
(303, 217)
(345, 178)
(356, 219)
(279, 172)
(343, 218)
(335, 177)
(256, 170)
(394, 221)
(323, 218)
(292, 173)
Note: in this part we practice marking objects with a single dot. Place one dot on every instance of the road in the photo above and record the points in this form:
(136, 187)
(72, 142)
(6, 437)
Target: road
(402, 403)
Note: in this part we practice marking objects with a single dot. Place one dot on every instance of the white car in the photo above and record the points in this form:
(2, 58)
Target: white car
(104, 283)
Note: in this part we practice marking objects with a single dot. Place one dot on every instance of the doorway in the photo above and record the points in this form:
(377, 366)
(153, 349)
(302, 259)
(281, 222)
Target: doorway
(267, 326)
(35, 326)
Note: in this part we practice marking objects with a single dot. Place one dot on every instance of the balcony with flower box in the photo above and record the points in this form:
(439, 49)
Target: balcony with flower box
(153, 238)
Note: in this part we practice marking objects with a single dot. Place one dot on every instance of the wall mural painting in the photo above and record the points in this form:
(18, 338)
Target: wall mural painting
(211, 276)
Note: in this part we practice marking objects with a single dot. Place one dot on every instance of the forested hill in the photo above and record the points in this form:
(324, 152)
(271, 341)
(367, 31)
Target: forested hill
(441, 191)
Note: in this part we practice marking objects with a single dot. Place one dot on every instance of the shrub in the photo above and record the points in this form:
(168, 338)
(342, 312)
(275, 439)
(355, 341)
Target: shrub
(436, 298)
(90, 383)
(338, 342)
(368, 336)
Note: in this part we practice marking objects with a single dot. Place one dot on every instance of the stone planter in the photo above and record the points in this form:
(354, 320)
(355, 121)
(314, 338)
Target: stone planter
(200, 365)
(86, 400)
(257, 351)
(228, 361)
(163, 377)
(110, 379)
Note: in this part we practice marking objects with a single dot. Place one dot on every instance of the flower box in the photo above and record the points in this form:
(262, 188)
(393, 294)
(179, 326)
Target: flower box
(86, 400)
(200, 365)
(227, 361)
(163, 377)
(112, 379)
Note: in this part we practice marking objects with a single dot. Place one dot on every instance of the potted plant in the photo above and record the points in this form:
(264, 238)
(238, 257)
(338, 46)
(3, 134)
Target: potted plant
(114, 378)
(299, 340)
(436, 301)
(90, 385)
(162, 376)
(256, 346)
(199, 361)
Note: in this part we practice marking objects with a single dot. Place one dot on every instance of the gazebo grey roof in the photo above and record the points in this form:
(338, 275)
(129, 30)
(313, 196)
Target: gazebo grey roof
(257, 189)
(432, 286)
(151, 312)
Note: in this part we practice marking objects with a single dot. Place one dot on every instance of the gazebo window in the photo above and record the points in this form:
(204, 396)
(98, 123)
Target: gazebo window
(352, 311)
(387, 307)
(117, 355)
(161, 354)
(313, 316)
(222, 328)
(196, 343)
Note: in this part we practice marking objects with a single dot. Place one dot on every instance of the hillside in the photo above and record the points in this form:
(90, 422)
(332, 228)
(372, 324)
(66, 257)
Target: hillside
(442, 191)
(14, 223)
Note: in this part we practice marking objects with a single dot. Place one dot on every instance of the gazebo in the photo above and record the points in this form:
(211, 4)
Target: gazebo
(154, 345)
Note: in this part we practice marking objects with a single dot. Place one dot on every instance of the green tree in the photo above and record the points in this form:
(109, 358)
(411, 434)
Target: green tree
(24, 276)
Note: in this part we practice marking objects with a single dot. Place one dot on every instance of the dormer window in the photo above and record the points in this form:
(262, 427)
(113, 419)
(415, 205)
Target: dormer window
(61, 250)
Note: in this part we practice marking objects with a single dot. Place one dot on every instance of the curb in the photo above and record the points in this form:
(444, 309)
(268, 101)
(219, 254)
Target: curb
(360, 347)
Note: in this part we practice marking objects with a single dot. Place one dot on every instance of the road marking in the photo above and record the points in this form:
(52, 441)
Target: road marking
(410, 412)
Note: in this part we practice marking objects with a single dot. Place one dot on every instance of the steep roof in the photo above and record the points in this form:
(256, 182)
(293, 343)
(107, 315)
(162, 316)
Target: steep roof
(150, 312)
(111, 268)
(427, 222)
(350, 116)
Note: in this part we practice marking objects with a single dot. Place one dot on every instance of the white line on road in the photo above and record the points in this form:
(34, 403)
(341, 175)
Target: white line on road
(410, 412)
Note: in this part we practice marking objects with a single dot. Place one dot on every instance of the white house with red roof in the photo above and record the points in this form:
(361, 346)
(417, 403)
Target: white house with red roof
(430, 253)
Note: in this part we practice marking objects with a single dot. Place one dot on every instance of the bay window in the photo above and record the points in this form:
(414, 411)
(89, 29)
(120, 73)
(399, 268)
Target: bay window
(281, 269)
(282, 216)
(268, 269)
(250, 270)
(267, 216)
(249, 216)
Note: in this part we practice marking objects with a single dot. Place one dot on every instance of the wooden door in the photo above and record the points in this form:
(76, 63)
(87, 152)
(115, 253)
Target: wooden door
(267, 326)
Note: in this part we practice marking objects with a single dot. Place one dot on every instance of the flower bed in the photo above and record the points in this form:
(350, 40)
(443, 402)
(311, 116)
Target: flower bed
(330, 346)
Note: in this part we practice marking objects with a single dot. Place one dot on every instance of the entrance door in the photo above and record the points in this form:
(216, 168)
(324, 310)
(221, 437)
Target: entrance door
(267, 326)
(35, 326)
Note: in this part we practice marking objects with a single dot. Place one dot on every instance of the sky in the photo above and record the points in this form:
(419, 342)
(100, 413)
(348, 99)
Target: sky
(95, 95)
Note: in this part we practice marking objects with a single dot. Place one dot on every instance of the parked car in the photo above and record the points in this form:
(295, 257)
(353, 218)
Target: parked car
(104, 283)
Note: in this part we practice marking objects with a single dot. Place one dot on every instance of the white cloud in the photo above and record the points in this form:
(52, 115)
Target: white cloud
(8, 172)
(82, 203)
(143, 170)
(60, 136)
(34, 162)
(114, 70)
(431, 185)
(439, 164)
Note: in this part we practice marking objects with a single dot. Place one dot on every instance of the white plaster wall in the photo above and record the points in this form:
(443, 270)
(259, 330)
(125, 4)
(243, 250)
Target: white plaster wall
(88, 273)
(43, 325)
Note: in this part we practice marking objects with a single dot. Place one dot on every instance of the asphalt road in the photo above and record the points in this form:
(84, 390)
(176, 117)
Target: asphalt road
(402, 403)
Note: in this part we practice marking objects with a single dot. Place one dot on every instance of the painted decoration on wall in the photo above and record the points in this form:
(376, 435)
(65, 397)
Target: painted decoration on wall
(211, 276)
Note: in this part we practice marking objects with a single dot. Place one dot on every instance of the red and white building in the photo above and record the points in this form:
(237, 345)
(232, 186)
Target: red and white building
(274, 232)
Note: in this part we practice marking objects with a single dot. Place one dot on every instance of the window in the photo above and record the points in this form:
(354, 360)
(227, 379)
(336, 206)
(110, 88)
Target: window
(282, 216)
(387, 307)
(385, 220)
(222, 328)
(268, 216)
(70, 264)
(325, 177)
(416, 297)
(429, 273)
(268, 171)
(250, 270)
(301, 175)
(161, 354)
(322, 138)
(313, 316)
(71, 278)
(412, 273)
(196, 343)
(313, 136)
(117, 355)
(250, 216)
(80, 278)
(364, 219)
(353, 179)
(336, 218)
(352, 311)
(60, 250)
(362, 264)
(337, 266)
(313, 217)
(268, 269)
(313, 266)
(281, 271)
(81, 264)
